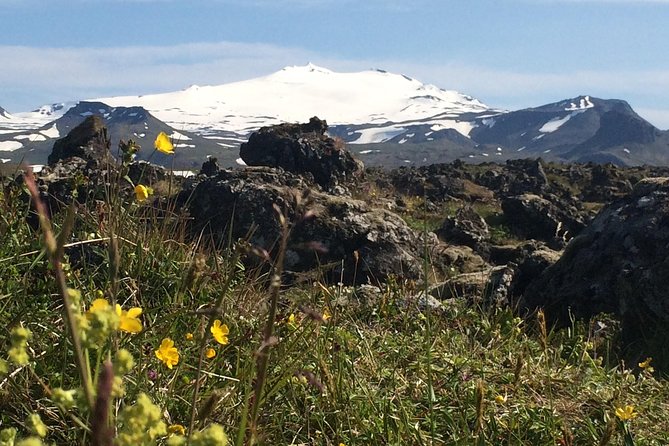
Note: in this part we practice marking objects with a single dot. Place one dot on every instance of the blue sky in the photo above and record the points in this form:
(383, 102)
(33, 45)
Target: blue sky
(507, 53)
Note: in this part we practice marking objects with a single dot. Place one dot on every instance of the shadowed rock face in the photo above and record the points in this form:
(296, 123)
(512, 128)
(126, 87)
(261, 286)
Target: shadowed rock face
(303, 149)
(619, 264)
(89, 141)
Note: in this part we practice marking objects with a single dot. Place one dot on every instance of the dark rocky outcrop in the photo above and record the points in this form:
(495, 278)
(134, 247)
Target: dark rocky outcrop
(302, 149)
(210, 167)
(467, 228)
(618, 265)
(346, 239)
(89, 141)
(534, 217)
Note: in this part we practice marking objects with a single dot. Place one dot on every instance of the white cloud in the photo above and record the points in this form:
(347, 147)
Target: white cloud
(90, 72)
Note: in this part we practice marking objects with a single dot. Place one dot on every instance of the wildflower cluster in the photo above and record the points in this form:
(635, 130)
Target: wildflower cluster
(141, 423)
(213, 435)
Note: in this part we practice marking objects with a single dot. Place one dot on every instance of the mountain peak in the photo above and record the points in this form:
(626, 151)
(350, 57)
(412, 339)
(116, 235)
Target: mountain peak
(4, 113)
(308, 68)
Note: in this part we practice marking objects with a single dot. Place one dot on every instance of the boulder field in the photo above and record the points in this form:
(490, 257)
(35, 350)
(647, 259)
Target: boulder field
(579, 239)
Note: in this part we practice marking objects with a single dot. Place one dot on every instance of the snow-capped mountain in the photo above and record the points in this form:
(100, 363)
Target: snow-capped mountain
(388, 119)
(379, 101)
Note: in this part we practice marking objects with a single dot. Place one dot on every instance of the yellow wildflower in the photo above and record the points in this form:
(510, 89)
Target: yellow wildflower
(176, 429)
(168, 353)
(500, 399)
(163, 144)
(142, 192)
(326, 315)
(128, 320)
(645, 365)
(626, 413)
(220, 332)
(292, 321)
(210, 353)
(98, 305)
(189, 336)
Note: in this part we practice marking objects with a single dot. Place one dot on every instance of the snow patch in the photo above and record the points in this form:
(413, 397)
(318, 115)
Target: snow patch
(176, 136)
(10, 146)
(51, 132)
(556, 123)
(488, 122)
(4, 160)
(32, 138)
(626, 150)
(583, 104)
(375, 135)
(240, 162)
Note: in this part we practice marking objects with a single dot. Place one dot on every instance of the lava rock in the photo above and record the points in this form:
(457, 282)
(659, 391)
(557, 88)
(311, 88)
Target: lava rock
(345, 239)
(618, 265)
(535, 217)
(303, 149)
(89, 141)
(467, 228)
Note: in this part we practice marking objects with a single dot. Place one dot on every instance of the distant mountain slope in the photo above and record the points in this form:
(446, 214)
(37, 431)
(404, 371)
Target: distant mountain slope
(136, 123)
(387, 119)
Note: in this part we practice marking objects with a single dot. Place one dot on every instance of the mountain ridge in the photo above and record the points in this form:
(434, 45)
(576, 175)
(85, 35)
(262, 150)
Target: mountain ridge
(387, 119)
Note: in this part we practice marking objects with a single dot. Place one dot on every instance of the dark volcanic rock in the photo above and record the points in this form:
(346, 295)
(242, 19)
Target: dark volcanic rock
(346, 239)
(210, 167)
(607, 183)
(619, 265)
(467, 228)
(89, 141)
(302, 149)
(535, 217)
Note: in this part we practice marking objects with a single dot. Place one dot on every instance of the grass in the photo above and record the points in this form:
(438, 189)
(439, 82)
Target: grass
(383, 373)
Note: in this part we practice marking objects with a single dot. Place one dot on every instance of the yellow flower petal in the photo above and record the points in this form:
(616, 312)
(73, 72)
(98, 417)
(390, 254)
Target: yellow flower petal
(625, 413)
(176, 429)
(134, 312)
(128, 321)
(163, 144)
(130, 325)
(210, 353)
(99, 304)
(142, 192)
